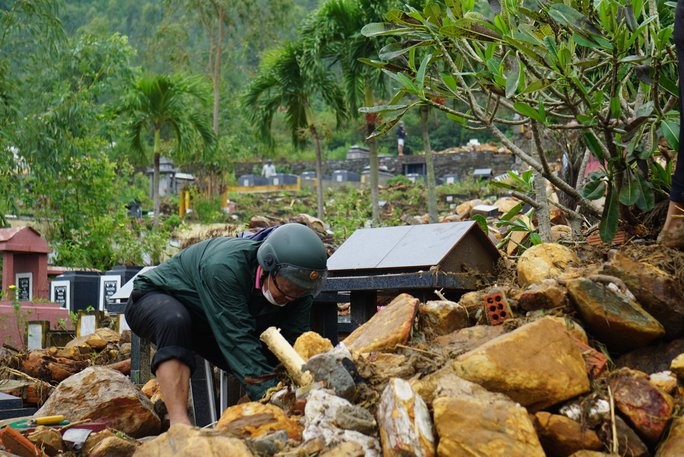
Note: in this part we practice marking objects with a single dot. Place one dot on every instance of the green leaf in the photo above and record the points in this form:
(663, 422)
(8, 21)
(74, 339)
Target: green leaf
(404, 81)
(610, 217)
(535, 238)
(670, 130)
(535, 86)
(669, 84)
(461, 120)
(594, 190)
(382, 108)
(450, 82)
(593, 144)
(512, 212)
(527, 110)
(646, 199)
(615, 107)
(394, 50)
(383, 28)
(512, 80)
(565, 14)
(629, 190)
(481, 222)
(420, 76)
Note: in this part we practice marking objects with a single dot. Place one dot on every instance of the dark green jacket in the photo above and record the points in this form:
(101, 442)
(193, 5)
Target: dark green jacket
(216, 280)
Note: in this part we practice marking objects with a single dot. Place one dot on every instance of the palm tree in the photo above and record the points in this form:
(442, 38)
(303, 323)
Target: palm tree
(333, 35)
(161, 103)
(284, 83)
(429, 164)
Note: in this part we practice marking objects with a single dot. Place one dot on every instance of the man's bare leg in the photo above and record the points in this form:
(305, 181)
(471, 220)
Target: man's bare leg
(672, 233)
(173, 377)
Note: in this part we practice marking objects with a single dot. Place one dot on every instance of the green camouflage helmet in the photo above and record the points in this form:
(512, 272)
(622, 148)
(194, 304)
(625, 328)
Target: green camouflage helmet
(296, 253)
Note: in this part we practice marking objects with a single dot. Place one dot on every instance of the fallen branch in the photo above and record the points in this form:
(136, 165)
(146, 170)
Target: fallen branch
(290, 359)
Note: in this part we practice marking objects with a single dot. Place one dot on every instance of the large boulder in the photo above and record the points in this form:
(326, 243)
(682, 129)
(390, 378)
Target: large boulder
(390, 326)
(186, 441)
(103, 394)
(544, 261)
(537, 365)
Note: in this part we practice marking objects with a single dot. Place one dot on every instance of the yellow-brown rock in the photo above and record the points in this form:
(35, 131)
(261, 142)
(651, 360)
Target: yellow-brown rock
(473, 301)
(543, 261)
(677, 367)
(186, 441)
(673, 444)
(561, 232)
(390, 326)
(483, 425)
(467, 339)
(253, 419)
(573, 328)
(537, 365)
(546, 294)
(150, 388)
(658, 292)
(48, 439)
(446, 383)
(585, 453)
(378, 367)
(664, 380)
(109, 444)
(612, 316)
(561, 436)
(97, 340)
(505, 204)
(349, 449)
(310, 344)
(440, 317)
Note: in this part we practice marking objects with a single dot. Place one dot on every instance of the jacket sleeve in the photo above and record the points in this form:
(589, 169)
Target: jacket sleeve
(224, 299)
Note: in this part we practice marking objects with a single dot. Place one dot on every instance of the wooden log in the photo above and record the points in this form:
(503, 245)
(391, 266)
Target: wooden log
(123, 367)
(292, 361)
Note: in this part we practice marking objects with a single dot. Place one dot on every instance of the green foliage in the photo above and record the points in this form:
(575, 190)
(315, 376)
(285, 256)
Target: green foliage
(207, 210)
(399, 179)
(595, 65)
(466, 187)
(347, 209)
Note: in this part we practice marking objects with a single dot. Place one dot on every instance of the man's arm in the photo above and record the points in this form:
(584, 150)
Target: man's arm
(224, 299)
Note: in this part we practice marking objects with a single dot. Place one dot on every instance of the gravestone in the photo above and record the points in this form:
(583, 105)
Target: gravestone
(24, 262)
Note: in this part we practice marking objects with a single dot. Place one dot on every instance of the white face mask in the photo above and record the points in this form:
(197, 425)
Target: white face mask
(269, 296)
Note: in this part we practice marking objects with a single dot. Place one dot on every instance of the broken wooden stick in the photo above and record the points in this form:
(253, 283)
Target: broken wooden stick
(290, 359)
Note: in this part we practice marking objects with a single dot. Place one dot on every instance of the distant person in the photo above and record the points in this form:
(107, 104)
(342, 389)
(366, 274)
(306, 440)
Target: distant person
(268, 169)
(401, 138)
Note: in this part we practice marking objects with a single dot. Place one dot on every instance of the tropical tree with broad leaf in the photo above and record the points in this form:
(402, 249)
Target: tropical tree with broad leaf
(603, 73)
(332, 36)
(289, 82)
(163, 107)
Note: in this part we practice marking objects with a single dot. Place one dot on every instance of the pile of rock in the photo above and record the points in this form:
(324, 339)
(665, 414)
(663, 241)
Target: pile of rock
(588, 361)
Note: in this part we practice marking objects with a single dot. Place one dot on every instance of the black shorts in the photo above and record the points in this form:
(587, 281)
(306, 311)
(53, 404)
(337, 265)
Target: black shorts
(176, 331)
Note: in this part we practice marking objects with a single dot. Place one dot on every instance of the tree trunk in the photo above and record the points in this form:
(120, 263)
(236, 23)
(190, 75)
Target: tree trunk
(373, 160)
(429, 165)
(216, 76)
(543, 217)
(155, 176)
(319, 173)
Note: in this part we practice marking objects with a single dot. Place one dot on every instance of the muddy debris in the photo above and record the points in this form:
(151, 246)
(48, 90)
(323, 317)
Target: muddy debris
(589, 362)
